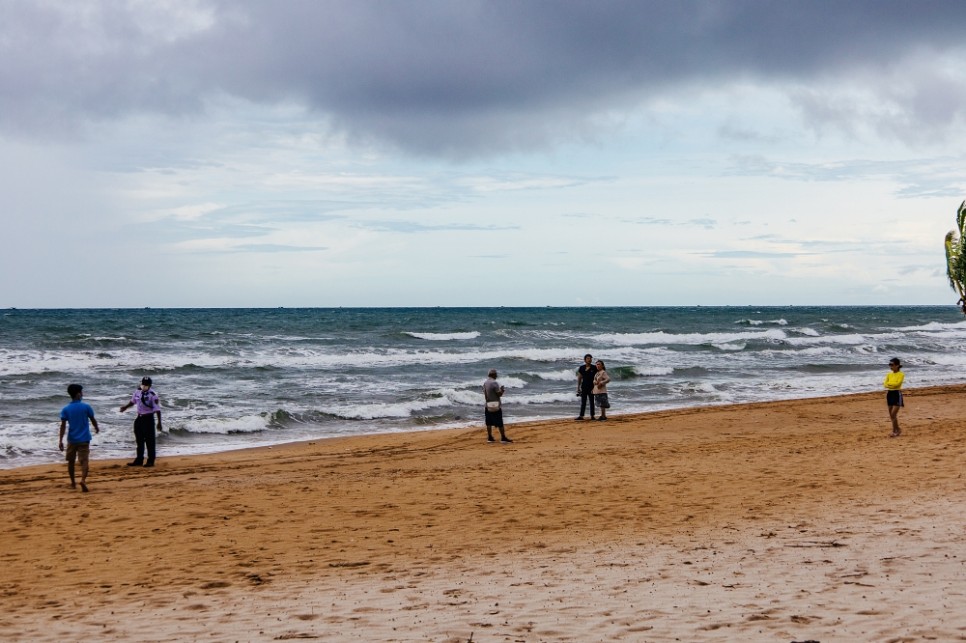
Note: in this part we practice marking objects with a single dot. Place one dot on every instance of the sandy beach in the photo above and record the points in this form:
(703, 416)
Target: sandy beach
(796, 520)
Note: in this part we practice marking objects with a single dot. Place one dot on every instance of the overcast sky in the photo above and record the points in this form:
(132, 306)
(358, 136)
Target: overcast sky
(453, 152)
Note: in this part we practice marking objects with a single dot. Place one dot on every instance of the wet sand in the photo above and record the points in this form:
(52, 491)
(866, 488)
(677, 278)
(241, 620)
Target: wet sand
(798, 520)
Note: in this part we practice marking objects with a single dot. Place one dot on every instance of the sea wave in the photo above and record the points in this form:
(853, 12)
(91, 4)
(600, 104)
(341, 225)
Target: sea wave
(687, 339)
(740, 346)
(387, 410)
(288, 338)
(230, 379)
(565, 375)
(934, 327)
(223, 425)
(695, 388)
(846, 340)
(443, 337)
(553, 397)
(761, 322)
(34, 362)
(652, 371)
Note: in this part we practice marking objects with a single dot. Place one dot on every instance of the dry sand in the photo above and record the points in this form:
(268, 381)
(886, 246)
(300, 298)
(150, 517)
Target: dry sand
(786, 521)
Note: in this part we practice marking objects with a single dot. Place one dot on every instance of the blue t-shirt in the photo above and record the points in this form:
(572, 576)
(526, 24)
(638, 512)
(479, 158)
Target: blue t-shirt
(77, 414)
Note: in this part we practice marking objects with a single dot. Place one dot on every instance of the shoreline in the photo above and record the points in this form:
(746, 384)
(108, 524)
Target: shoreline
(234, 380)
(578, 530)
(471, 425)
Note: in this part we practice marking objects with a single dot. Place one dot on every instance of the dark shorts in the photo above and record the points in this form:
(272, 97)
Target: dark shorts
(894, 398)
(81, 451)
(493, 418)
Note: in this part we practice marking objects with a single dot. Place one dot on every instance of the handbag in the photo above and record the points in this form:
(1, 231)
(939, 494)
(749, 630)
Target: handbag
(493, 406)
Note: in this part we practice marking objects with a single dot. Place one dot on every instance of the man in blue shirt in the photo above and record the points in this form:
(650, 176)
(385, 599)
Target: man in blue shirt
(79, 416)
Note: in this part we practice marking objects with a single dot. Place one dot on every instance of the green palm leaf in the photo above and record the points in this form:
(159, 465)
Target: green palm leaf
(956, 256)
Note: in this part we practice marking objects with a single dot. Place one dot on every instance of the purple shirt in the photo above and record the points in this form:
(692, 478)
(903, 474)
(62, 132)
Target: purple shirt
(146, 401)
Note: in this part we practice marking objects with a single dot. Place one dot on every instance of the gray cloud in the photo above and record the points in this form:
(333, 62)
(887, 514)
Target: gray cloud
(467, 78)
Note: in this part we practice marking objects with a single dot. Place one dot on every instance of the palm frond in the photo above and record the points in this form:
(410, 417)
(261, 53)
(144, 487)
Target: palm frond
(956, 256)
(952, 261)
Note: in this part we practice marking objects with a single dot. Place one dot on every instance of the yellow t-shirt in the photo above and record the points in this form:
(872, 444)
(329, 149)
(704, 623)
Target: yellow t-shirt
(893, 381)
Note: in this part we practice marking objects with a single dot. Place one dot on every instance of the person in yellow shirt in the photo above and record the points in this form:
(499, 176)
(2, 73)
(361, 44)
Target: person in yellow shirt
(893, 385)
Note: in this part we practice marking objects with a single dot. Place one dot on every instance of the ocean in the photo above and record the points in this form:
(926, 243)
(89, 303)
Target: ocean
(235, 378)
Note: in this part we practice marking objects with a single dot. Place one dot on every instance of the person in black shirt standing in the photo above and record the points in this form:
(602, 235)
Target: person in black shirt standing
(585, 385)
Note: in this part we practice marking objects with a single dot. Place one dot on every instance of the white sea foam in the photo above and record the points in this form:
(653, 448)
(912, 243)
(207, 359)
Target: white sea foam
(957, 360)
(934, 327)
(565, 375)
(19, 439)
(730, 347)
(811, 352)
(512, 382)
(387, 409)
(691, 388)
(542, 398)
(846, 340)
(688, 339)
(37, 362)
(464, 397)
(22, 363)
(291, 338)
(762, 322)
(399, 357)
(467, 393)
(222, 425)
(652, 371)
(443, 337)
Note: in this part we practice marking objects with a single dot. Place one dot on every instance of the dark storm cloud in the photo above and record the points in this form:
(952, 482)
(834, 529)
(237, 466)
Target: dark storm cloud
(457, 78)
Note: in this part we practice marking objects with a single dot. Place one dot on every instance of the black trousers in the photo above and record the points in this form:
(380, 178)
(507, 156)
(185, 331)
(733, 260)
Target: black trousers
(144, 435)
(584, 396)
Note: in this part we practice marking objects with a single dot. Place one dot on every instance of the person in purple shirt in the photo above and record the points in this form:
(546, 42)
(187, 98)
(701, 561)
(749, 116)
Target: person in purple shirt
(148, 406)
(76, 419)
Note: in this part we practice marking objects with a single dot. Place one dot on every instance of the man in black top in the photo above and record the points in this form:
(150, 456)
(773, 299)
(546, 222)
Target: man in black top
(585, 385)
